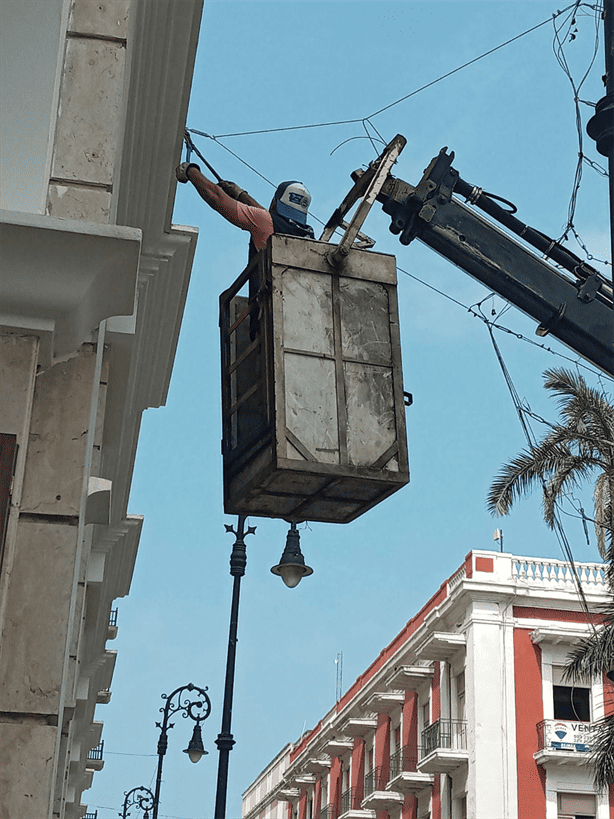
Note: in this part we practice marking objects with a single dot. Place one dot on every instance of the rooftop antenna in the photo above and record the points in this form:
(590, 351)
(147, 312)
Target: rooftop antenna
(499, 536)
(339, 685)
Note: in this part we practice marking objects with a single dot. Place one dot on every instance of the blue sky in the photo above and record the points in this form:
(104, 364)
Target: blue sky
(510, 120)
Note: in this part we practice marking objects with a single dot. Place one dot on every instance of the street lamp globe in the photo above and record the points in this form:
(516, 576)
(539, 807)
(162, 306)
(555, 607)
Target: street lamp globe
(291, 568)
(195, 749)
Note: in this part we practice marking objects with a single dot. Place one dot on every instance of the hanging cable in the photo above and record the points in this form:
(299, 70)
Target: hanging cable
(558, 526)
(395, 102)
(566, 32)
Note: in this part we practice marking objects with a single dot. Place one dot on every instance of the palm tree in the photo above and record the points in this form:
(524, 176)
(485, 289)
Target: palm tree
(578, 448)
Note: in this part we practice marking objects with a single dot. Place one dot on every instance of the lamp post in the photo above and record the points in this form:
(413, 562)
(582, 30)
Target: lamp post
(142, 797)
(198, 710)
(292, 569)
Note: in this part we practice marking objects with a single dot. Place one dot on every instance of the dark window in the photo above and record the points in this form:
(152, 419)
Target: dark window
(572, 703)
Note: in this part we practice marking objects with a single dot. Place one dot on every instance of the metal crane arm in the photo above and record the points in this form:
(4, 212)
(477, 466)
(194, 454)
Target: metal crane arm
(573, 304)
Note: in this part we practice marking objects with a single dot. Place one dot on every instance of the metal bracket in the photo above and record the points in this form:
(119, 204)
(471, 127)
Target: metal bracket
(547, 326)
(589, 288)
(368, 185)
(406, 205)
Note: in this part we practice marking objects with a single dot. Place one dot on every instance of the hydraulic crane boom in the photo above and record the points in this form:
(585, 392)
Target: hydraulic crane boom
(574, 303)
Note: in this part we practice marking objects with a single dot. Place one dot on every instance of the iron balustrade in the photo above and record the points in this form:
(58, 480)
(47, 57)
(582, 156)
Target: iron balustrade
(113, 617)
(445, 733)
(91, 815)
(375, 781)
(327, 812)
(348, 800)
(96, 753)
(404, 759)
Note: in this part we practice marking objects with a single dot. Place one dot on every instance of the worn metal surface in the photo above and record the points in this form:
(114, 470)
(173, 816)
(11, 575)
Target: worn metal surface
(313, 410)
(576, 308)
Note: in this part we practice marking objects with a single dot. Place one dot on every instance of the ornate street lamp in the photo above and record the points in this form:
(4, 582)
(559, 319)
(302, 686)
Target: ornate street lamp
(142, 797)
(292, 569)
(198, 710)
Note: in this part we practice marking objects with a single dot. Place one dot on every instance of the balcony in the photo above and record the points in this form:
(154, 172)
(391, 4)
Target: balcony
(444, 746)
(317, 764)
(441, 645)
(376, 796)
(562, 741)
(384, 702)
(338, 746)
(112, 625)
(347, 810)
(328, 812)
(103, 697)
(404, 777)
(359, 726)
(410, 677)
(95, 761)
(89, 815)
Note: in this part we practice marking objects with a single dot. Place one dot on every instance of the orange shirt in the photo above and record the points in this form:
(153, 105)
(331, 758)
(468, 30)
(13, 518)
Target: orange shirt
(256, 221)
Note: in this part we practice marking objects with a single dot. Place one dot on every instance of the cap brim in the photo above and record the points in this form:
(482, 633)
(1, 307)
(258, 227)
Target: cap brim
(291, 213)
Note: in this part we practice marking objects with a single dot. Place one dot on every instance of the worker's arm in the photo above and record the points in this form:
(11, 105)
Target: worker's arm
(235, 192)
(253, 218)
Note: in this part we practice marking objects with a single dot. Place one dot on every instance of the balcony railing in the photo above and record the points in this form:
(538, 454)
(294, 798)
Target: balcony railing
(375, 781)
(557, 572)
(445, 733)
(404, 759)
(327, 812)
(89, 815)
(565, 735)
(96, 753)
(113, 617)
(347, 800)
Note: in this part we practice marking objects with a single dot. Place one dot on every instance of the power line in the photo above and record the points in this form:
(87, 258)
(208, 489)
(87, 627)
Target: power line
(558, 525)
(566, 32)
(395, 102)
(470, 62)
(122, 753)
(504, 329)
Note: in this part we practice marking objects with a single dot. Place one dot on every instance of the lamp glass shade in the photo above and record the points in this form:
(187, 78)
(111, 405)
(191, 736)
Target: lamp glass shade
(195, 749)
(291, 574)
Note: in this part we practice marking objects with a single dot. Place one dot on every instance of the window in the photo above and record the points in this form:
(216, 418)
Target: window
(396, 739)
(369, 759)
(576, 806)
(460, 696)
(426, 714)
(571, 702)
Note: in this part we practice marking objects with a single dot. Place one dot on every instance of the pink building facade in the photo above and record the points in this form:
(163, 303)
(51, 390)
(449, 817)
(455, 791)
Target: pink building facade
(465, 714)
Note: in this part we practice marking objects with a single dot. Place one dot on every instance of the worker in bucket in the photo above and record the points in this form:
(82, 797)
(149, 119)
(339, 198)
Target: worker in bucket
(287, 213)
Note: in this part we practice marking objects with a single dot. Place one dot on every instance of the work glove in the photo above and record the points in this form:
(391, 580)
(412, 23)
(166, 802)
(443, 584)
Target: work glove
(231, 188)
(181, 171)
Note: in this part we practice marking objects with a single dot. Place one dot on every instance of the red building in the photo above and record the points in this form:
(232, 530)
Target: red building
(465, 713)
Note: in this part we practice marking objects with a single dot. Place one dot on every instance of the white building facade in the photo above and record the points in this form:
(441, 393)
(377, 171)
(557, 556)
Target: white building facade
(464, 715)
(92, 290)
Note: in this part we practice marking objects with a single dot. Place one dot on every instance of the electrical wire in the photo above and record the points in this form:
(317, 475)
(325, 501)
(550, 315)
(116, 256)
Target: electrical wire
(400, 99)
(566, 31)
(558, 526)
